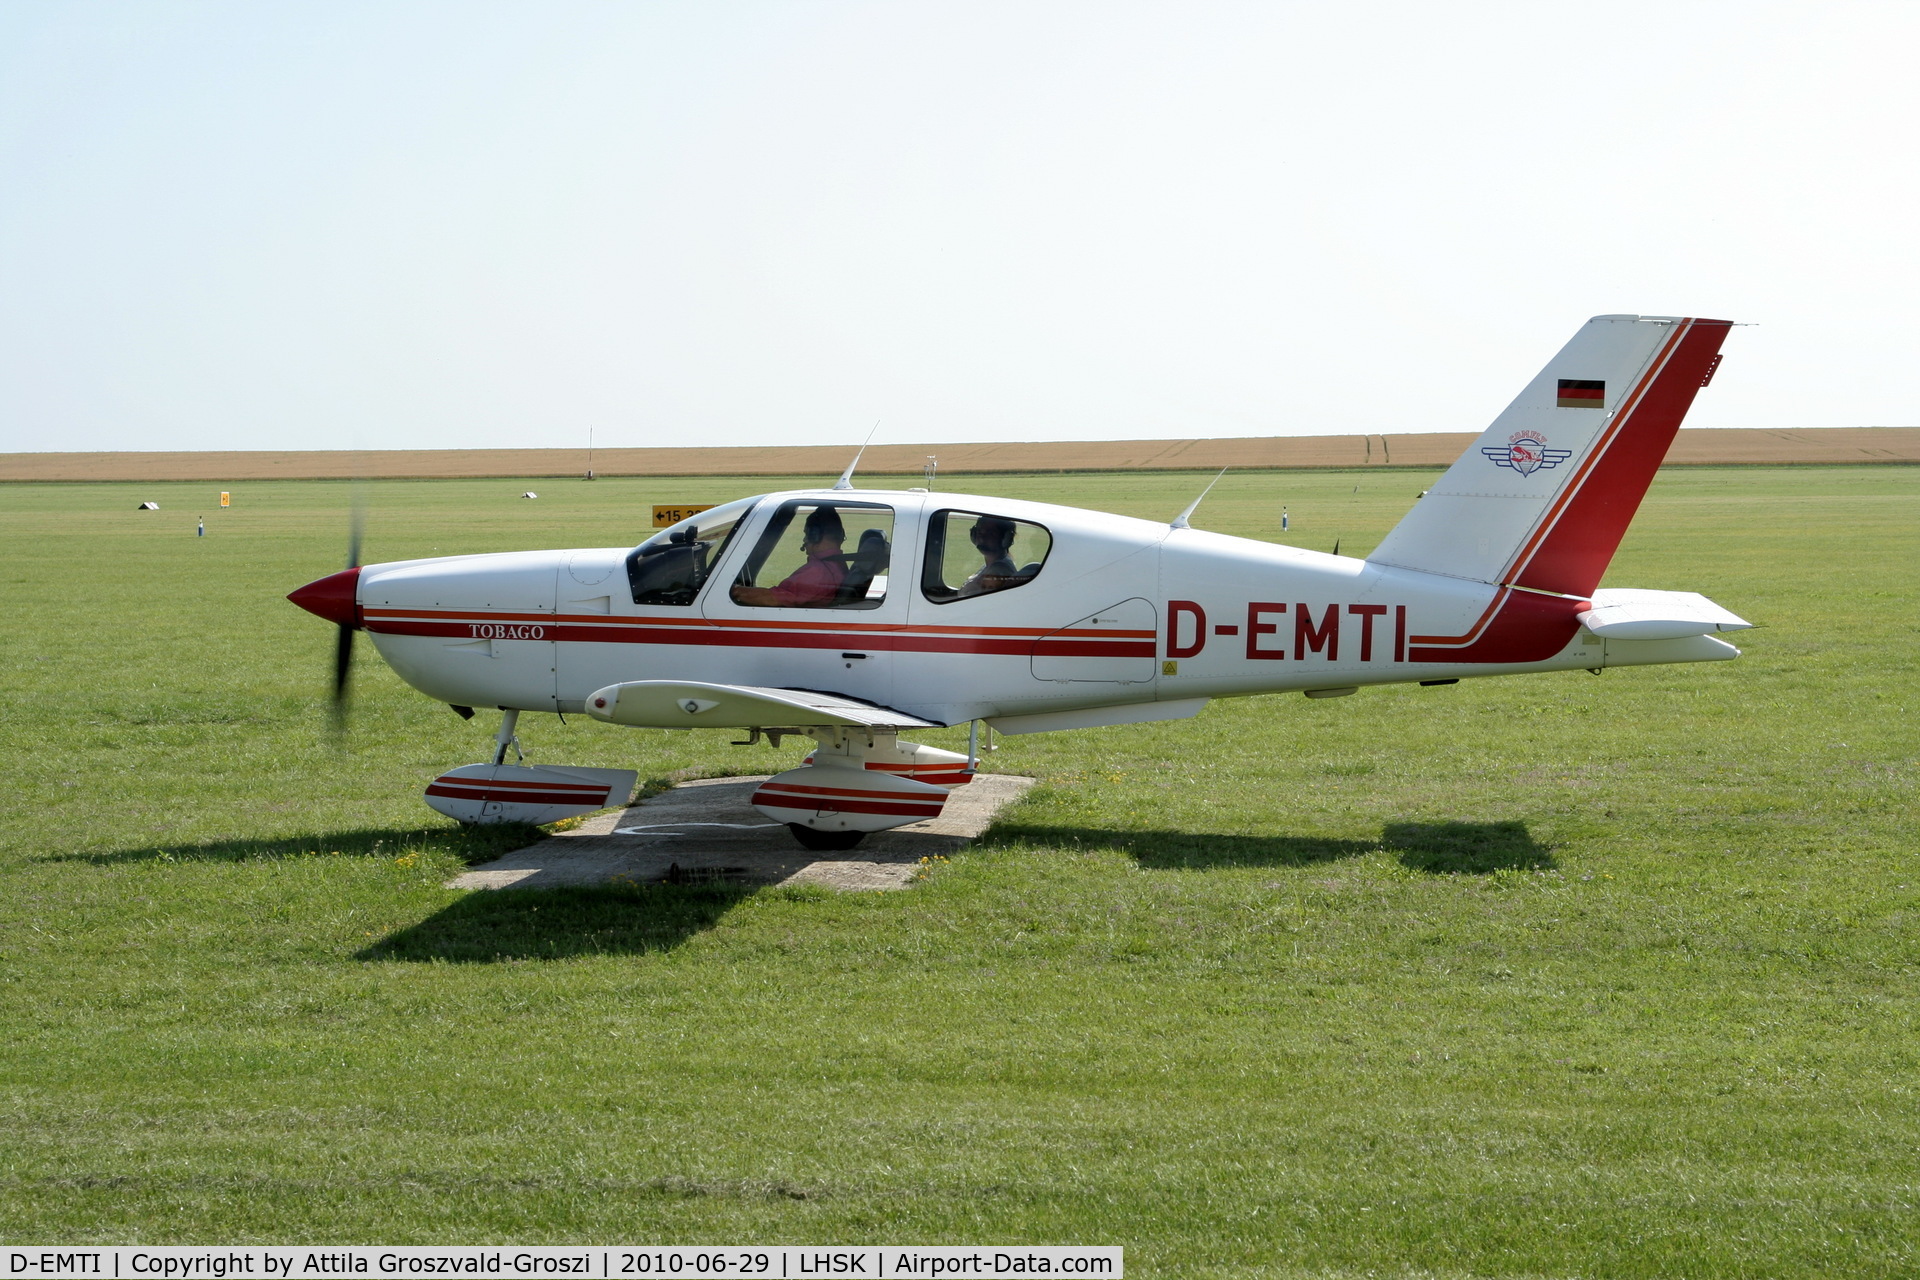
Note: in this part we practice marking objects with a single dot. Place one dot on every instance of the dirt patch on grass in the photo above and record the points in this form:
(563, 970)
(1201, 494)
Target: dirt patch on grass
(1436, 449)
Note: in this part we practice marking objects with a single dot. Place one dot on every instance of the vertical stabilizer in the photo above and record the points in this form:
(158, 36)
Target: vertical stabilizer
(1543, 497)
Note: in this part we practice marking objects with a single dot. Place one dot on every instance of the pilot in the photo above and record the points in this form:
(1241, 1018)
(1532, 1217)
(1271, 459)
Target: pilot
(993, 539)
(817, 581)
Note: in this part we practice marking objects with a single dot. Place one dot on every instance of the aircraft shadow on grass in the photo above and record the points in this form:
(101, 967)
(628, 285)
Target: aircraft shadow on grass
(475, 844)
(554, 924)
(1440, 848)
(626, 918)
(1467, 848)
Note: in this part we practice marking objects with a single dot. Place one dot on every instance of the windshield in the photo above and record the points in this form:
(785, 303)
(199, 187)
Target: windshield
(669, 567)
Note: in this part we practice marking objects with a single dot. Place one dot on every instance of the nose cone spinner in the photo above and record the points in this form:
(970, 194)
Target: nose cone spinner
(333, 598)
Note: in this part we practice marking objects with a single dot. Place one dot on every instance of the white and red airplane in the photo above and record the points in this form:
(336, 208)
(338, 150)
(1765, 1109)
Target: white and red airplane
(853, 616)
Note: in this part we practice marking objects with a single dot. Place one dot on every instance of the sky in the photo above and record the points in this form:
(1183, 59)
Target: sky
(481, 225)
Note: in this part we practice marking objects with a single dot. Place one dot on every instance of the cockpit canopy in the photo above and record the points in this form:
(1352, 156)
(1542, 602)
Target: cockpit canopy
(835, 553)
(670, 567)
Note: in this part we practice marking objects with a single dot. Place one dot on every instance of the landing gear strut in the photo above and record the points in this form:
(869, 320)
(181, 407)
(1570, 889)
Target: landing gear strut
(520, 792)
(859, 779)
(506, 737)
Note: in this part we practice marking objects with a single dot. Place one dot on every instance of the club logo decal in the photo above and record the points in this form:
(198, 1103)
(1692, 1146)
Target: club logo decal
(1527, 452)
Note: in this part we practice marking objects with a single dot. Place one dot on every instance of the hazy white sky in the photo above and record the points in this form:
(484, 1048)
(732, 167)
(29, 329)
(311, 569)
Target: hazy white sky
(334, 225)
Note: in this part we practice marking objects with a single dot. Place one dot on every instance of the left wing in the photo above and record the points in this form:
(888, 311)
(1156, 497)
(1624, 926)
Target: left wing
(691, 704)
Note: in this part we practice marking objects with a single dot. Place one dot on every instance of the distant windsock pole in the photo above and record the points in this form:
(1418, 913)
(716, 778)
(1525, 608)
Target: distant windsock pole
(589, 453)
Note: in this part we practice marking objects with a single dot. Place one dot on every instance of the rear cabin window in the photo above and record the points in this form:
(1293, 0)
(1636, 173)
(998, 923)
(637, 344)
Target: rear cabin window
(975, 553)
(670, 567)
(820, 555)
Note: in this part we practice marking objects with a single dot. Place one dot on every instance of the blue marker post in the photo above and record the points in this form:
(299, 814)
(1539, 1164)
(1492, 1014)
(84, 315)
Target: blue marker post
(203, 528)
(1283, 519)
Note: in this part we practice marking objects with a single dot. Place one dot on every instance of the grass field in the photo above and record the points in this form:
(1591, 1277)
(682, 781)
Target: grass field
(1548, 976)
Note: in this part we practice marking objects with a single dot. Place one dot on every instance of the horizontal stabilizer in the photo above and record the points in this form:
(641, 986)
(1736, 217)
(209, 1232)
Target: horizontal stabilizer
(691, 704)
(1624, 614)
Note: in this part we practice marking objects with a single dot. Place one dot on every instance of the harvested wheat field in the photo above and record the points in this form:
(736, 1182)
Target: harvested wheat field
(1433, 449)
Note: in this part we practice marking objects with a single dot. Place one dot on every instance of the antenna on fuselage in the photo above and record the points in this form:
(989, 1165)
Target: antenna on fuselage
(846, 477)
(1180, 521)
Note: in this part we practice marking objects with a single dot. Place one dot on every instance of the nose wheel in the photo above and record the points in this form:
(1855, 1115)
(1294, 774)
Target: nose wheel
(813, 838)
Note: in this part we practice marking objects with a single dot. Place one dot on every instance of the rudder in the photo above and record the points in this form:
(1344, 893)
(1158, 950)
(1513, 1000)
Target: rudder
(1543, 497)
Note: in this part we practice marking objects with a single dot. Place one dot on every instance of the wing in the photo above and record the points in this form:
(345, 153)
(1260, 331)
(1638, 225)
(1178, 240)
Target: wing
(689, 704)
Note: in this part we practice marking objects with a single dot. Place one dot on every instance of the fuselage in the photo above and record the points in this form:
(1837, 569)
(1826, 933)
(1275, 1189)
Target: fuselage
(1115, 612)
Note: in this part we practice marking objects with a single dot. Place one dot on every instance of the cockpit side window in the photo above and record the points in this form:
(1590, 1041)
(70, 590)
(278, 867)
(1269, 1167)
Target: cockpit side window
(820, 555)
(974, 553)
(670, 567)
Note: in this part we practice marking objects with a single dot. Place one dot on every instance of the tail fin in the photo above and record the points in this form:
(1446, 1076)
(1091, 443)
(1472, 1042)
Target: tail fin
(1543, 497)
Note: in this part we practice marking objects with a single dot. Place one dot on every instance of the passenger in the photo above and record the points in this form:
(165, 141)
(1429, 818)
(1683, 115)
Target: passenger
(817, 581)
(993, 539)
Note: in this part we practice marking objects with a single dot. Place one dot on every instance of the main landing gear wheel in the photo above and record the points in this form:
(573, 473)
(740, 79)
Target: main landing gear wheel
(809, 838)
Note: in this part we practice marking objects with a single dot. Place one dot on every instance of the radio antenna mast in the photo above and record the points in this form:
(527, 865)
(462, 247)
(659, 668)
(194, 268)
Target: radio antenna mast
(846, 477)
(1180, 521)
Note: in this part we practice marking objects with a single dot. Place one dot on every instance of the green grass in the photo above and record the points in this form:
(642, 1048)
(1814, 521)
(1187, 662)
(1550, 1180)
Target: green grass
(1548, 976)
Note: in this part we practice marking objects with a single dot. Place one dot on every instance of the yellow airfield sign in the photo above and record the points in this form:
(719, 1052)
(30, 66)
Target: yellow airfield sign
(664, 516)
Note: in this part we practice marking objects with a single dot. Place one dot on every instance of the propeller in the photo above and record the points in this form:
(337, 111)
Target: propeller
(343, 644)
(344, 641)
(336, 598)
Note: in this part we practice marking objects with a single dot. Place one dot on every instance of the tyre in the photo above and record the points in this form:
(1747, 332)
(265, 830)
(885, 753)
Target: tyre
(812, 839)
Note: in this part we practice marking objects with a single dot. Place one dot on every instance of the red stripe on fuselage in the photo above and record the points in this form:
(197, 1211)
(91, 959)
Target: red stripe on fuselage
(1479, 623)
(838, 625)
(991, 640)
(1527, 628)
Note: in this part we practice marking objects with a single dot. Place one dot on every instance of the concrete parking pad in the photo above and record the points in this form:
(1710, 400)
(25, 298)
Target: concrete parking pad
(707, 831)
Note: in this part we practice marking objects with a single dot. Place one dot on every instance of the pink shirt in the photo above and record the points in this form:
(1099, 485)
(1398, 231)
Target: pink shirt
(815, 582)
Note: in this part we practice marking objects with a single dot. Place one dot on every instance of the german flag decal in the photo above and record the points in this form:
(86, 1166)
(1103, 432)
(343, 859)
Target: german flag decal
(1581, 393)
